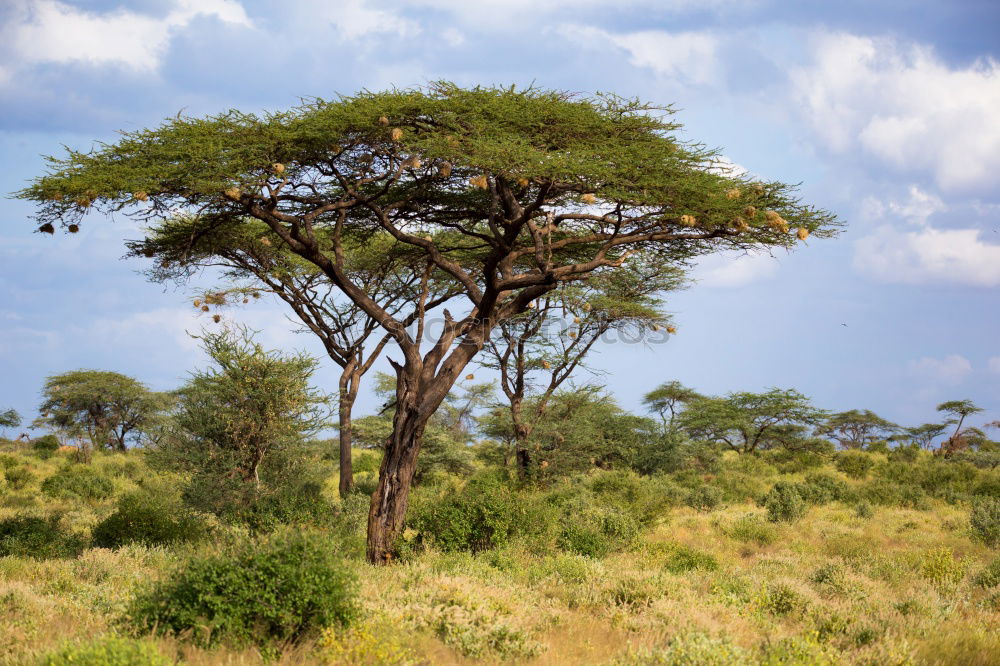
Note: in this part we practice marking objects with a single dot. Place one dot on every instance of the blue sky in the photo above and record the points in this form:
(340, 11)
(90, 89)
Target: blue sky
(888, 113)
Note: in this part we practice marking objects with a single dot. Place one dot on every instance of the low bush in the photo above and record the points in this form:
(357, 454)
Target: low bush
(109, 651)
(784, 503)
(863, 509)
(18, 477)
(820, 488)
(705, 498)
(151, 516)
(681, 558)
(855, 464)
(984, 519)
(942, 568)
(888, 493)
(45, 445)
(274, 592)
(751, 528)
(597, 533)
(78, 482)
(989, 576)
(38, 538)
(690, 649)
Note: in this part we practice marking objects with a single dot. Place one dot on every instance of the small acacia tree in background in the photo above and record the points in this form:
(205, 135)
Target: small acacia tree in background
(925, 434)
(750, 422)
(857, 429)
(668, 400)
(240, 422)
(543, 346)
(9, 419)
(959, 439)
(102, 409)
(511, 193)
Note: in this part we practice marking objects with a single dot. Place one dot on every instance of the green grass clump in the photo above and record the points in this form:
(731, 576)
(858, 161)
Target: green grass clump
(690, 649)
(784, 503)
(855, 464)
(277, 591)
(110, 651)
(989, 576)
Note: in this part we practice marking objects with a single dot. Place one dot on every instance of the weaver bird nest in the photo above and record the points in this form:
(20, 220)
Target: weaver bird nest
(588, 198)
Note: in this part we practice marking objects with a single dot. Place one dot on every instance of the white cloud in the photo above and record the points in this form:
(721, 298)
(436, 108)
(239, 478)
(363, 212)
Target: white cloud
(929, 256)
(685, 56)
(951, 369)
(356, 18)
(917, 208)
(903, 105)
(52, 31)
(994, 365)
(734, 270)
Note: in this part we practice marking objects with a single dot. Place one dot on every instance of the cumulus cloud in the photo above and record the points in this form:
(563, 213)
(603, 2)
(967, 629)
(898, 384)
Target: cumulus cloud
(358, 18)
(685, 56)
(917, 208)
(734, 270)
(929, 256)
(52, 31)
(951, 369)
(903, 105)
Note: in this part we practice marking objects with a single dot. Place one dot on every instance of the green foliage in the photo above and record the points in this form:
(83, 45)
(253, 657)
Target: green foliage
(822, 488)
(109, 651)
(863, 509)
(854, 464)
(9, 418)
(748, 422)
(241, 434)
(984, 519)
(37, 537)
(76, 481)
(942, 568)
(45, 445)
(751, 528)
(705, 498)
(483, 514)
(989, 576)
(110, 409)
(690, 649)
(857, 429)
(784, 503)
(681, 559)
(154, 516)
(18, 477)
(278, 591)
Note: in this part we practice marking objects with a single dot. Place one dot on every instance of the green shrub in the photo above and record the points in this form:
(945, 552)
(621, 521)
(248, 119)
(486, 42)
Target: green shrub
(681, 558)
(110, 651)
(751, 529)
(984, 519)
(820, 488)
(151, 517)
(45, 445)
(277, 591)
(36, 537)
(780, 599)
(989, 576)
(784, 503)
(855, 464)
(942, 568)
(907, 453)
(863, 509)
(484, 514)
(78, 482)
(705, 498)
(584, 540)
(18, 477)
(888, 493)
(8, 461)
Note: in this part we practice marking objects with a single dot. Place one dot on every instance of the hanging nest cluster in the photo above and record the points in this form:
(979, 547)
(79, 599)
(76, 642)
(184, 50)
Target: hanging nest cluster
(588, 198)
(671, 329)
(470, 376)
(480, 181)
(140, 196)
(733, 193)
(396, 133)
(776, 222)
(278, 168)
(47, 228)
(740, 224)
(444, 169)
(382, 120)
(688, 220)
(215, 298)
(265, 241)
(523, 182)
(802, 233)
(413, 162)
(233, 193)
(546, 365)
(216, 318)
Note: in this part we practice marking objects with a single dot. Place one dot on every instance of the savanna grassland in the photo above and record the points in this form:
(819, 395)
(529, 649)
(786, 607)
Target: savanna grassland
(775, 558)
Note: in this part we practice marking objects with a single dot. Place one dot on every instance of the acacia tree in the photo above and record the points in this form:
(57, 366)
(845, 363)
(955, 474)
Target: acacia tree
(856, 429)
(109, 409)
(534, 188)
(748, 422)
(252, 258)
(959, 410)
(543, 346)
(925, 434)
(668, 400)
(10, 419)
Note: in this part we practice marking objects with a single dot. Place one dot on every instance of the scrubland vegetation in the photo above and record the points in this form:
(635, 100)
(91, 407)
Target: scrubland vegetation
(628, 542)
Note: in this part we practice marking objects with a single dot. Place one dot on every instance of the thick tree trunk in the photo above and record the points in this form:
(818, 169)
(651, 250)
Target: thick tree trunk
(348, 393)
(392, 495)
